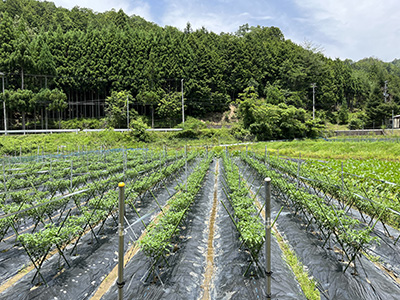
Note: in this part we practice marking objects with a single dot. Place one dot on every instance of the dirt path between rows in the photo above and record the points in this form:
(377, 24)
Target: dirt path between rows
(210, 250)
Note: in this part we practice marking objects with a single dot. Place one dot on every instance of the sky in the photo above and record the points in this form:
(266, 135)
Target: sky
(344, 29)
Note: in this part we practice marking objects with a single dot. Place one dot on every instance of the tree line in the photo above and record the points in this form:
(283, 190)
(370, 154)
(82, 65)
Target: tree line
(87, 56)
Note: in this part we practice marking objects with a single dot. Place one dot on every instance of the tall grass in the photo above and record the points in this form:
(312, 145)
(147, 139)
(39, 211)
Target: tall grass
(321, 149)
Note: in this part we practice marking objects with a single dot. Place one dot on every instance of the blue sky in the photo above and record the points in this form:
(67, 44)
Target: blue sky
(352, 29)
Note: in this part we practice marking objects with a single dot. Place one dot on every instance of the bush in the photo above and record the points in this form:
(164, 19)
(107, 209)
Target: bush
(84, 124)
(218, 150)
(187, 134)
(192, 124)
(192, 129)
(356, 124)
(314, 128)
(209, 132)
(240, 133)
(138, 130)
(270, 122)
(357, 120)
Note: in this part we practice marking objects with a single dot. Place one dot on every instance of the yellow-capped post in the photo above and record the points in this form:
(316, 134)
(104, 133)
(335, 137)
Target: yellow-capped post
(121, 207)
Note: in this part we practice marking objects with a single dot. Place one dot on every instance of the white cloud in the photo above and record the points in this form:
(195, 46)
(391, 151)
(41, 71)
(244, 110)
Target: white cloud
(96, 6)
(344, 28)
(352, 28)
(142, 9)
(219, 16)
(252, 17)
(135, 7)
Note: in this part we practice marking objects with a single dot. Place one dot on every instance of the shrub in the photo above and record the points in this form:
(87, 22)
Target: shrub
(240, 133)
(83, 124)
(191, 128)
(138, 130)
(192, 124)
(356, 124)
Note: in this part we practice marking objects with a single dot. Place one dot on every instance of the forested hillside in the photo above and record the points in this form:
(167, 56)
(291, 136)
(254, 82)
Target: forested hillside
(87, 55)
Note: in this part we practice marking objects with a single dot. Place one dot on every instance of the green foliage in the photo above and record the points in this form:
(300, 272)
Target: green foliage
(22, 56)
(267, 121)
(356, 124)
(192, 128)
(352, 238)
(249, 102)
(138, 130)
(94, 54)
(116, 109)
(241, 133)
(343, 114)
(248, 222)
(378, 111)
(7, 37)
(149, 98)
(57, 100)
(21, 101)
(193, 124)
(358, 120)
(100, 199)
(84, 123)
(43, 97)
(274, 95)
(157, 241)
(170, 107)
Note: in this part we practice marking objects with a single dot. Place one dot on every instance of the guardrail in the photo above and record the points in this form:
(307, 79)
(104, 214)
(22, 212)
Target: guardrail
(360, 132)
(164, 129)
(39, 131)
(33, 131)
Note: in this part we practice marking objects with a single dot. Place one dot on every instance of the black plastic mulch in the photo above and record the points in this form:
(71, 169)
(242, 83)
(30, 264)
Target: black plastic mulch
(184, 276)
(324, 263)
(93, 262)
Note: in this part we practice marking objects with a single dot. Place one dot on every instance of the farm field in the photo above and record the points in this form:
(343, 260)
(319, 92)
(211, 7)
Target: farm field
(340, 149)
(195, 225)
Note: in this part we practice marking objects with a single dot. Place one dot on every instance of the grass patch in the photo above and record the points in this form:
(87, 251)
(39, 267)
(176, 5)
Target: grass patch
(320, 149)
(307, 284)
(371, 257)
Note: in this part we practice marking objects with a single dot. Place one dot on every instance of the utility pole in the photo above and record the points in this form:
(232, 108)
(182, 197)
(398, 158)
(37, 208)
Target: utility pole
(392, 122)
(127, 112)
(4, 104)
(183, 104)
(313, 100)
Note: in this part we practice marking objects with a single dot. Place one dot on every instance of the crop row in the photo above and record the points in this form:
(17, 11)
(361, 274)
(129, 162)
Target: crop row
(371, 196)
(33, 204)
(347, 232)
(92, 166)
(245, 215)
(157, 241)
(57, 235)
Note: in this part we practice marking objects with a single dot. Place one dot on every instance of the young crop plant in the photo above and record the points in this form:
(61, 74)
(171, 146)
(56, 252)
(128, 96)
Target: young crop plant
(375, 197)
(72, 215)
(332, 223)
(245, 215)
(157, 243)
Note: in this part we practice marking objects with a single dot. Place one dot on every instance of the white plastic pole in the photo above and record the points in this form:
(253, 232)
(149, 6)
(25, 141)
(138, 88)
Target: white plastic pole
(4, 105)
(183, 104)
(127, 111)
(121, 207)
(268, 233)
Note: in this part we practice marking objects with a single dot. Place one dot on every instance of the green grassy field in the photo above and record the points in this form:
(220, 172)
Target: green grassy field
(318, 149)
(321, 149)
